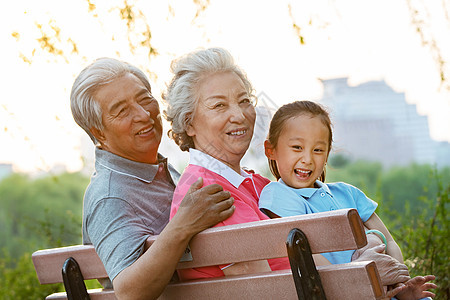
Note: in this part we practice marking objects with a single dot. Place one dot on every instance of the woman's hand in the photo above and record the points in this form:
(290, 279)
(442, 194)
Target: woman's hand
(372, 241)
(391, 270)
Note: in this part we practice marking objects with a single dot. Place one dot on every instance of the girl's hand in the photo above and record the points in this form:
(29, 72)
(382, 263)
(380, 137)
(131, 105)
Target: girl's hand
(414, 289)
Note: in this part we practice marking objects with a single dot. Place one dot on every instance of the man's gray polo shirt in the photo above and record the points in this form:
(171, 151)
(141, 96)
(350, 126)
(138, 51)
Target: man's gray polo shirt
(125, 203)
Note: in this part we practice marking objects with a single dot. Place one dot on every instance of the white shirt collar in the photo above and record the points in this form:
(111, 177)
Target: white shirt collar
(206, 161)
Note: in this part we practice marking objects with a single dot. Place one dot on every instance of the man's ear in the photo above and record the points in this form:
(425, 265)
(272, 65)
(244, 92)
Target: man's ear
(98, 134)
(269, 150)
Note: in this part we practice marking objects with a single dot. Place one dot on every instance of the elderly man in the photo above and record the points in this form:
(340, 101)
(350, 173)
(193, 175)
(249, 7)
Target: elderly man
(130, 193)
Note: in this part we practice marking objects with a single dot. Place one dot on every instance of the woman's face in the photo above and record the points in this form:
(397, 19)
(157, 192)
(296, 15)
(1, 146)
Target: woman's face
(224, 118)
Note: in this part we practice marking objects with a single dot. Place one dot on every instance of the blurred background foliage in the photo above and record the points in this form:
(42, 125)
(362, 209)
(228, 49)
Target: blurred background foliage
(36, 214)
(46, 212)
(412, 202)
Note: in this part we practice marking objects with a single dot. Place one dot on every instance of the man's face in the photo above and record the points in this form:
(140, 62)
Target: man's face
(132, 126)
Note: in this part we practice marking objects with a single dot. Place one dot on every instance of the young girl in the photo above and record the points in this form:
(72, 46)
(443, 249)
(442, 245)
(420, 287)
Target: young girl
(297, 147)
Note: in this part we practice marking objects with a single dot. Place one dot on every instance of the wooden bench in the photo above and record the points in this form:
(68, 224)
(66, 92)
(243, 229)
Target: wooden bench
(329, 231)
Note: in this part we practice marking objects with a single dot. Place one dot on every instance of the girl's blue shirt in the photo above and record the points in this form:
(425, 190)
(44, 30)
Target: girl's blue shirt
(286, 201)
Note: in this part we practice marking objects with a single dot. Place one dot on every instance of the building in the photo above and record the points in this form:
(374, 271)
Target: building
(373, 122)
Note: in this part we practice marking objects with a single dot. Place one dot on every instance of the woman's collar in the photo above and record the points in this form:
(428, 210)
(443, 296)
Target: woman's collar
(210, 163)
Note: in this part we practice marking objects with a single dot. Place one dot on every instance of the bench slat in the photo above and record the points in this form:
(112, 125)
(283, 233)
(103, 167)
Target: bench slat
(338, 230)
(363, 277)
(49, 262)
(271, 285)
(94, 294)
(280, 285)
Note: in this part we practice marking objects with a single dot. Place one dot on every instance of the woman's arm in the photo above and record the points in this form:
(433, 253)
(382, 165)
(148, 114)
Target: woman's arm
(320, 260)
(257, 266)
(391, 269)
(392, 248)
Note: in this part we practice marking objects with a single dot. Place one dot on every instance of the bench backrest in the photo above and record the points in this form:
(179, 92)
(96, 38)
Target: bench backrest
(328, 231)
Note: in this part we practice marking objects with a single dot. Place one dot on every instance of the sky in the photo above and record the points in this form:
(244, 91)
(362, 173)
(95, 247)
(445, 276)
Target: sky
(361, 40)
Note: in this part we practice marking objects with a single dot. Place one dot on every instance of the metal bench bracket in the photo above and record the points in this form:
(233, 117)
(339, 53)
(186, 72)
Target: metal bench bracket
(74, 281)
(306, 278)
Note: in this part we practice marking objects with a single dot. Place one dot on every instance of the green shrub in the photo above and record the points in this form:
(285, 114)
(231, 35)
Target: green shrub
(18, 280)
(424, 235)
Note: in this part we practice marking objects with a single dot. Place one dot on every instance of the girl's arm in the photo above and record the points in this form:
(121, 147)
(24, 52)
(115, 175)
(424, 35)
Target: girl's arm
(392, 249)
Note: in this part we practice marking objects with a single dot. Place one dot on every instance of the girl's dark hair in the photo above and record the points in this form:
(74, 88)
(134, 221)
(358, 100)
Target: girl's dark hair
(293, 110)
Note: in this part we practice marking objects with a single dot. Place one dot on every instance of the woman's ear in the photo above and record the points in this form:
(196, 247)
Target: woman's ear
(269, 150)
(190, 131)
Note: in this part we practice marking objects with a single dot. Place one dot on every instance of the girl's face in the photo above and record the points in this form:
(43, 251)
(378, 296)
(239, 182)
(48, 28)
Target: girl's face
(301, 152)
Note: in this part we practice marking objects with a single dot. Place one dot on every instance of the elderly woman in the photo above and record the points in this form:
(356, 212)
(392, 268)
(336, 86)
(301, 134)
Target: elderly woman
(130, 193)
(211, 108)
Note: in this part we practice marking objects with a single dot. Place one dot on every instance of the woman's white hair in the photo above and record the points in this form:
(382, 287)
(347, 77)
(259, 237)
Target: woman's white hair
(181, 97)
(85, 110)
